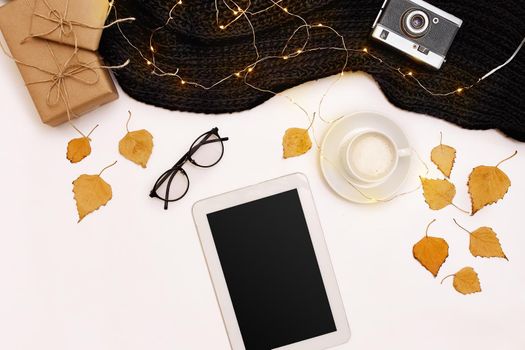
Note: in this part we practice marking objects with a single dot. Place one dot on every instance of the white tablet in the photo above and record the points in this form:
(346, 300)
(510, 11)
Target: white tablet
(270, 267)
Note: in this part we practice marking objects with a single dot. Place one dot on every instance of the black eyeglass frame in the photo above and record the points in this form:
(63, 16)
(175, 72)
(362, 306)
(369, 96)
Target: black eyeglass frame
(170, 174)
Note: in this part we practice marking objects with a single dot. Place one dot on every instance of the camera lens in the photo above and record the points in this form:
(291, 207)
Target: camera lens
(415, 23)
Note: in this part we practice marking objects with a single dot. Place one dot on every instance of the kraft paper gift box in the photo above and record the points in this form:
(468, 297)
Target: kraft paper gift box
(40, 63)
(64, 20)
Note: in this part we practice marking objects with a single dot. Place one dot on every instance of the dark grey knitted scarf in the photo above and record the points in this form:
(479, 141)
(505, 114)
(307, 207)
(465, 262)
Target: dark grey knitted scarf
(490, 33)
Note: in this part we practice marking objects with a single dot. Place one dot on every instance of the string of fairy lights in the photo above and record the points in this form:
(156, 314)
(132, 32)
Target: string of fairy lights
(245, 13)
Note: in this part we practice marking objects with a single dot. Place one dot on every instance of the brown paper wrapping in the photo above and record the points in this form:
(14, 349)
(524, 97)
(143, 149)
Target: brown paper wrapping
(91, 13)
(15, 17)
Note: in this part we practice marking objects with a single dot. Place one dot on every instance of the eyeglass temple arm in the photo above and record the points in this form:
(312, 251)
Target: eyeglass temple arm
(216, 140)
(173, 170)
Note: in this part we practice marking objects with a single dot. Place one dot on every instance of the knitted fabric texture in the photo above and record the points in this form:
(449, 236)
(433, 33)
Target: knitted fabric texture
(204, 53)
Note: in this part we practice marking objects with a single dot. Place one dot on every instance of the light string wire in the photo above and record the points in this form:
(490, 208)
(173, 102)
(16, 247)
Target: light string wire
(363, 191)
(245, 13)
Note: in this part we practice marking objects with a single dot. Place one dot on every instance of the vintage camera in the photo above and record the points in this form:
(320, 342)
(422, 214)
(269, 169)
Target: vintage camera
(417, 28)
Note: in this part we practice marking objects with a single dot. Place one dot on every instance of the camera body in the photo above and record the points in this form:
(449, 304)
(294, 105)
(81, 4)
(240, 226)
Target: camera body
(416, 28)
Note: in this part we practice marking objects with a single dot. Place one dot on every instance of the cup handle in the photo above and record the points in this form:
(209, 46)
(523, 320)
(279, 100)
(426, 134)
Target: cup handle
(404, 152)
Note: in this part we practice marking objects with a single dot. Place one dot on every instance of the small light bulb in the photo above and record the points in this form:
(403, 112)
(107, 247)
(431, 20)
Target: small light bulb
(152, 49)
(221, 26)
(459, 90)
(182, 82)
(250, 69)
(285, 9)
(320, 25)
(299, 51)
(235, 12)
(342, 73)
(180, 2)
(238, 74)
(285, 57)
(410, 73)
(365, 50)
(148, 62)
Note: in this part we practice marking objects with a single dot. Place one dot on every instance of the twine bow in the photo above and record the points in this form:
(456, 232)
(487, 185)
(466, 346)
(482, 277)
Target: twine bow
(66, 26)
(71, 69)
(68, 70)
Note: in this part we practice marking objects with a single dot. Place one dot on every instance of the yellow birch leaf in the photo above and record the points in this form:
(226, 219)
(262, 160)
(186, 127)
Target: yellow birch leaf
(78, 149)
(431, 252)
(90, 193)
(438, 193)
(443, 156)
(466, 281)
(137, 146)
(487, 185)
(296, 141)
(484, 242)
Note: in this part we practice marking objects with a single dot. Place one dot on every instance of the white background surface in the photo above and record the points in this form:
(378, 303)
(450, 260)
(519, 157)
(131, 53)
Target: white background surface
(132, 276)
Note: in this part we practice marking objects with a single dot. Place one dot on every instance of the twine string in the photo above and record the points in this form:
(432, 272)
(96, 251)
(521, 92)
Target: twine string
(71, 69)
(65, 26)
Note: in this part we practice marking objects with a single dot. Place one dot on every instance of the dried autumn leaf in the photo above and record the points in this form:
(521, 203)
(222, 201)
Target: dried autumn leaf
(487, 185)
(484, 242)
(465, 281)
(438, 193)
(78, 149)
(296, 141)
(136, 146)
(90, 193)
(431, 252)
(443, 156)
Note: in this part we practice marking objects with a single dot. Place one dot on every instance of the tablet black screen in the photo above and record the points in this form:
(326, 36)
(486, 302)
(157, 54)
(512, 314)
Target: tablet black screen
(271, 271)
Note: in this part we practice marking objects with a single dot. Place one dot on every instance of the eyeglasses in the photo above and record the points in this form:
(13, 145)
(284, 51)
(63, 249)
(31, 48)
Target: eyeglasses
(206, 151)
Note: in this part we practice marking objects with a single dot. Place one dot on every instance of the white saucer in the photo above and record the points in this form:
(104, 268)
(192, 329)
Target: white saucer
(340, 133)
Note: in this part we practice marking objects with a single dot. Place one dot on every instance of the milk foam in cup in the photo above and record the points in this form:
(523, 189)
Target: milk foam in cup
(371, 156)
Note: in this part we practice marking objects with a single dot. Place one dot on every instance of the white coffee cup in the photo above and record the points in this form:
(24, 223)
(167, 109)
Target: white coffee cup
(371, 156)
